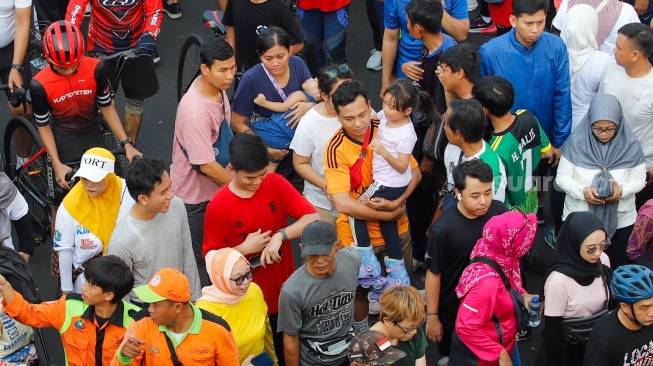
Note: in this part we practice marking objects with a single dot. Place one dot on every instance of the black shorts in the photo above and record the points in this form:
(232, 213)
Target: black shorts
(137, 75)
(71, 147)
(6, 60)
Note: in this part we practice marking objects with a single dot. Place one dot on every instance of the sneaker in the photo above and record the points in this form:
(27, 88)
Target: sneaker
(172, 9)
(478, 25)
(550, 238)
(540, 215)
(444, 361)
(87, 11)
(374, 308)
(472, 5)
(155, 56)
(374, 62)
(524, 335)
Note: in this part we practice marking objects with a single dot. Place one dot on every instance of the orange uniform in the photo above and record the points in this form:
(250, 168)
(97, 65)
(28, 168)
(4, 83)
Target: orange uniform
(340, 154)
(208, 342)
(77, 325)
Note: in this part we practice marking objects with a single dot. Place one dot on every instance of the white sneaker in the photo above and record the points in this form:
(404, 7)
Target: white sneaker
(443, 361)
(374, 62)
(472, 5)
(374, 308)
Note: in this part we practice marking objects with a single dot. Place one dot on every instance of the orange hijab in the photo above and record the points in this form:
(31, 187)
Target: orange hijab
(219, 264)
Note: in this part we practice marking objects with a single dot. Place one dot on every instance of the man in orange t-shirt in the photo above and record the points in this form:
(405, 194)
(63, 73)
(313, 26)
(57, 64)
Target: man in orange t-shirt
(340, 155)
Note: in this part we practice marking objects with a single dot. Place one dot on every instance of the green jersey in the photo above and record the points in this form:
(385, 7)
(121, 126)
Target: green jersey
(519, 149)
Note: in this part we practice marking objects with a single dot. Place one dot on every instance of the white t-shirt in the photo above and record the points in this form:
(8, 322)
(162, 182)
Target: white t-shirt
(69, 235)
(586, 85)
(564, 297)
(16, 209)
(636, 98)
(313, 133)
(628, 15)
(396, 140)
(8, 19)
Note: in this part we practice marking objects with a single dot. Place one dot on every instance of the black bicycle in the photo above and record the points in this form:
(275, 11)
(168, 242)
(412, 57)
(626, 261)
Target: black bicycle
(188, 68)
(35, 46)
(28, 165)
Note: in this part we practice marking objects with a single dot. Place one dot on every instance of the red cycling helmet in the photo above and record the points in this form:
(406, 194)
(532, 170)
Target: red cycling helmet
(63, 44)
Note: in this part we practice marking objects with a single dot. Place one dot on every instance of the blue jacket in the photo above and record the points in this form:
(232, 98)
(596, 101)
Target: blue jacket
(540, 76)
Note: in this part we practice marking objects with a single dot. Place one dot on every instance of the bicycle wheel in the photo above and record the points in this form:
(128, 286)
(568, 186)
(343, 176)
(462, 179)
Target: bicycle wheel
(189, 64)
(36, 59)
(21, 139)
(111, 143)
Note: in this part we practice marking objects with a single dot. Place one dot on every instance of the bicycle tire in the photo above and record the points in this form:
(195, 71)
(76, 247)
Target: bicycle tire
(31, 181)
(110, 142)
(189, 64)
(36, 58)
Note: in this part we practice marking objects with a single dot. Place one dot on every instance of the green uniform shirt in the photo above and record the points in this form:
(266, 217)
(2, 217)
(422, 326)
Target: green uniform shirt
(519, 148)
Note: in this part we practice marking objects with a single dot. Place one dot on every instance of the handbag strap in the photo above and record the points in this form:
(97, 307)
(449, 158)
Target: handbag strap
(605, 285)
(496, 267)
(366, 142)
(173, 354)
(275, 84)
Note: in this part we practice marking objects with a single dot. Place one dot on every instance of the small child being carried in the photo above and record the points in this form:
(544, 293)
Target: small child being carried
(276, 131)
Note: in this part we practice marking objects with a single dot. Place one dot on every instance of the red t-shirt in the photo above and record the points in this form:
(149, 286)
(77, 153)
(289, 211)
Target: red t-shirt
(229, 219)
(500, 13)
(323, 5)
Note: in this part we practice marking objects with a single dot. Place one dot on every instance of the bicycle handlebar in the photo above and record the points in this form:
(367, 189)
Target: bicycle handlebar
(19, 93)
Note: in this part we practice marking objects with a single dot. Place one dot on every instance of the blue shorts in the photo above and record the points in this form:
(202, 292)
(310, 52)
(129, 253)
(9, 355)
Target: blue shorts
(274, 131)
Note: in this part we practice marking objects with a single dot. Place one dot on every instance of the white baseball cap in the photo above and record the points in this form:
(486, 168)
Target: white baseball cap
(96, 164)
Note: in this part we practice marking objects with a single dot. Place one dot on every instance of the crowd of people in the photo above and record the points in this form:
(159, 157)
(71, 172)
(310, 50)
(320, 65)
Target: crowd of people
(193, 264)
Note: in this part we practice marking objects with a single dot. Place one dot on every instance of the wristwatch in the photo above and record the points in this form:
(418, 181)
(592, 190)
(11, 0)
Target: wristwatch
(125, 142)
(283, 234)
(18, 67)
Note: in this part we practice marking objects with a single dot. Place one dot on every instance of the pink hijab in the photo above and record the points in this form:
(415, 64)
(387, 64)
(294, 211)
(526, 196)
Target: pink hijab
(506, 238)
(219, 264)
(608, 16)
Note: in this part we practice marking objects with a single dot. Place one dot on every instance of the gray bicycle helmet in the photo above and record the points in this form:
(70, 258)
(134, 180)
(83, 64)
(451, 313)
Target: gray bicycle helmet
(632, 283)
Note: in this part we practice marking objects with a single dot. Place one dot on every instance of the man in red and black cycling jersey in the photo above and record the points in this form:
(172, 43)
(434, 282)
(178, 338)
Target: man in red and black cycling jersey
(117, 26)
(64, 98)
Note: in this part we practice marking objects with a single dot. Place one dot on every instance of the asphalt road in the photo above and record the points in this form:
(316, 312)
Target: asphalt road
(156, 137)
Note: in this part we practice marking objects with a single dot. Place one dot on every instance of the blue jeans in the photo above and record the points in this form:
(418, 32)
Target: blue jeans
(325, 37)
(514, 357)
(375, 13)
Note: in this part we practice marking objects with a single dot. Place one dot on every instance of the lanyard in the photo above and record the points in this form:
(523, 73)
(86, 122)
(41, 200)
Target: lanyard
(275, 84)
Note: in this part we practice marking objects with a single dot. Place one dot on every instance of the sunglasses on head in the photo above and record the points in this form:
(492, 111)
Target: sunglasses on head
(338, 71)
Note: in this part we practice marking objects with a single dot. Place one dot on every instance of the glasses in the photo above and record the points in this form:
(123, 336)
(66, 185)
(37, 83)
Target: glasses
(526, 221)
(601, 246)
(410, 330)
(338, 71)
(239, 280)
(608, 130)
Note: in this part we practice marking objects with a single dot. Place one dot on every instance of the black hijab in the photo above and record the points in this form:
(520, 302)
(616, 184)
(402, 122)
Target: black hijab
(576, 228)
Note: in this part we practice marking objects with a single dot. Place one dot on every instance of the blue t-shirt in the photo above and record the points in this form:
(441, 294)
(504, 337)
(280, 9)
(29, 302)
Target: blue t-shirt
(410, 48)
(255, 82)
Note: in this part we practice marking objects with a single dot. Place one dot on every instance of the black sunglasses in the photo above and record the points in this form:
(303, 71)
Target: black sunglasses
(239, 280)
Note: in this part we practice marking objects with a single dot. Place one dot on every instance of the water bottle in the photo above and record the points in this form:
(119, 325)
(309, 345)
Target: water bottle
(534, 311)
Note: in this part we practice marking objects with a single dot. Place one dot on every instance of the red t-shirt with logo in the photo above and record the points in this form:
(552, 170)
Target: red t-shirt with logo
(323, 5)
(229, 219)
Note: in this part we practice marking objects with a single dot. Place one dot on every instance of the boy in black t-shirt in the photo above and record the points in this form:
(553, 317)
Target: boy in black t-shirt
(450, 244)
(625, 335)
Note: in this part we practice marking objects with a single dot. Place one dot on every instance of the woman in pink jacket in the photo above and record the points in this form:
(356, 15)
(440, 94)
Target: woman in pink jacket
(478, 339)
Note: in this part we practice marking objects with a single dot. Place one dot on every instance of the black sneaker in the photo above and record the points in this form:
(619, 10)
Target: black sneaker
(172, 9)
(540, 215)
(524, 335)
(155, 56)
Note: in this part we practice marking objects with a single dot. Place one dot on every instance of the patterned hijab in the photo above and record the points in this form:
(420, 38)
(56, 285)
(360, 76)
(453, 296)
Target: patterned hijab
(219, 264)
(585, 150)
(506, 238)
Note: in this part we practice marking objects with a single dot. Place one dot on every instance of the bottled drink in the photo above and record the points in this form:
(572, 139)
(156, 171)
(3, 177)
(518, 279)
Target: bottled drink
(534, 311)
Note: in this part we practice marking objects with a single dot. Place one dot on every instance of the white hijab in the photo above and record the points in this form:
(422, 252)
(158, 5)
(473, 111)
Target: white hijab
(579, 34)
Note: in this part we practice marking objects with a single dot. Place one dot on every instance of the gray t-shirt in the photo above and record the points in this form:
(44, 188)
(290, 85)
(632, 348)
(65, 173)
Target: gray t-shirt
(149, 245)
(321, 310)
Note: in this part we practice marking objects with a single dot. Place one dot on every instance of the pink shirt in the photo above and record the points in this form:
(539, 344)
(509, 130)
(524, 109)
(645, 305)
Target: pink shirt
(564, 297)
(196, 129)
(474, 324)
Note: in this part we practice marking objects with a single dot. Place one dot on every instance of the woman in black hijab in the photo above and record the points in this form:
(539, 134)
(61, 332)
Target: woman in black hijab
(576, 286)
